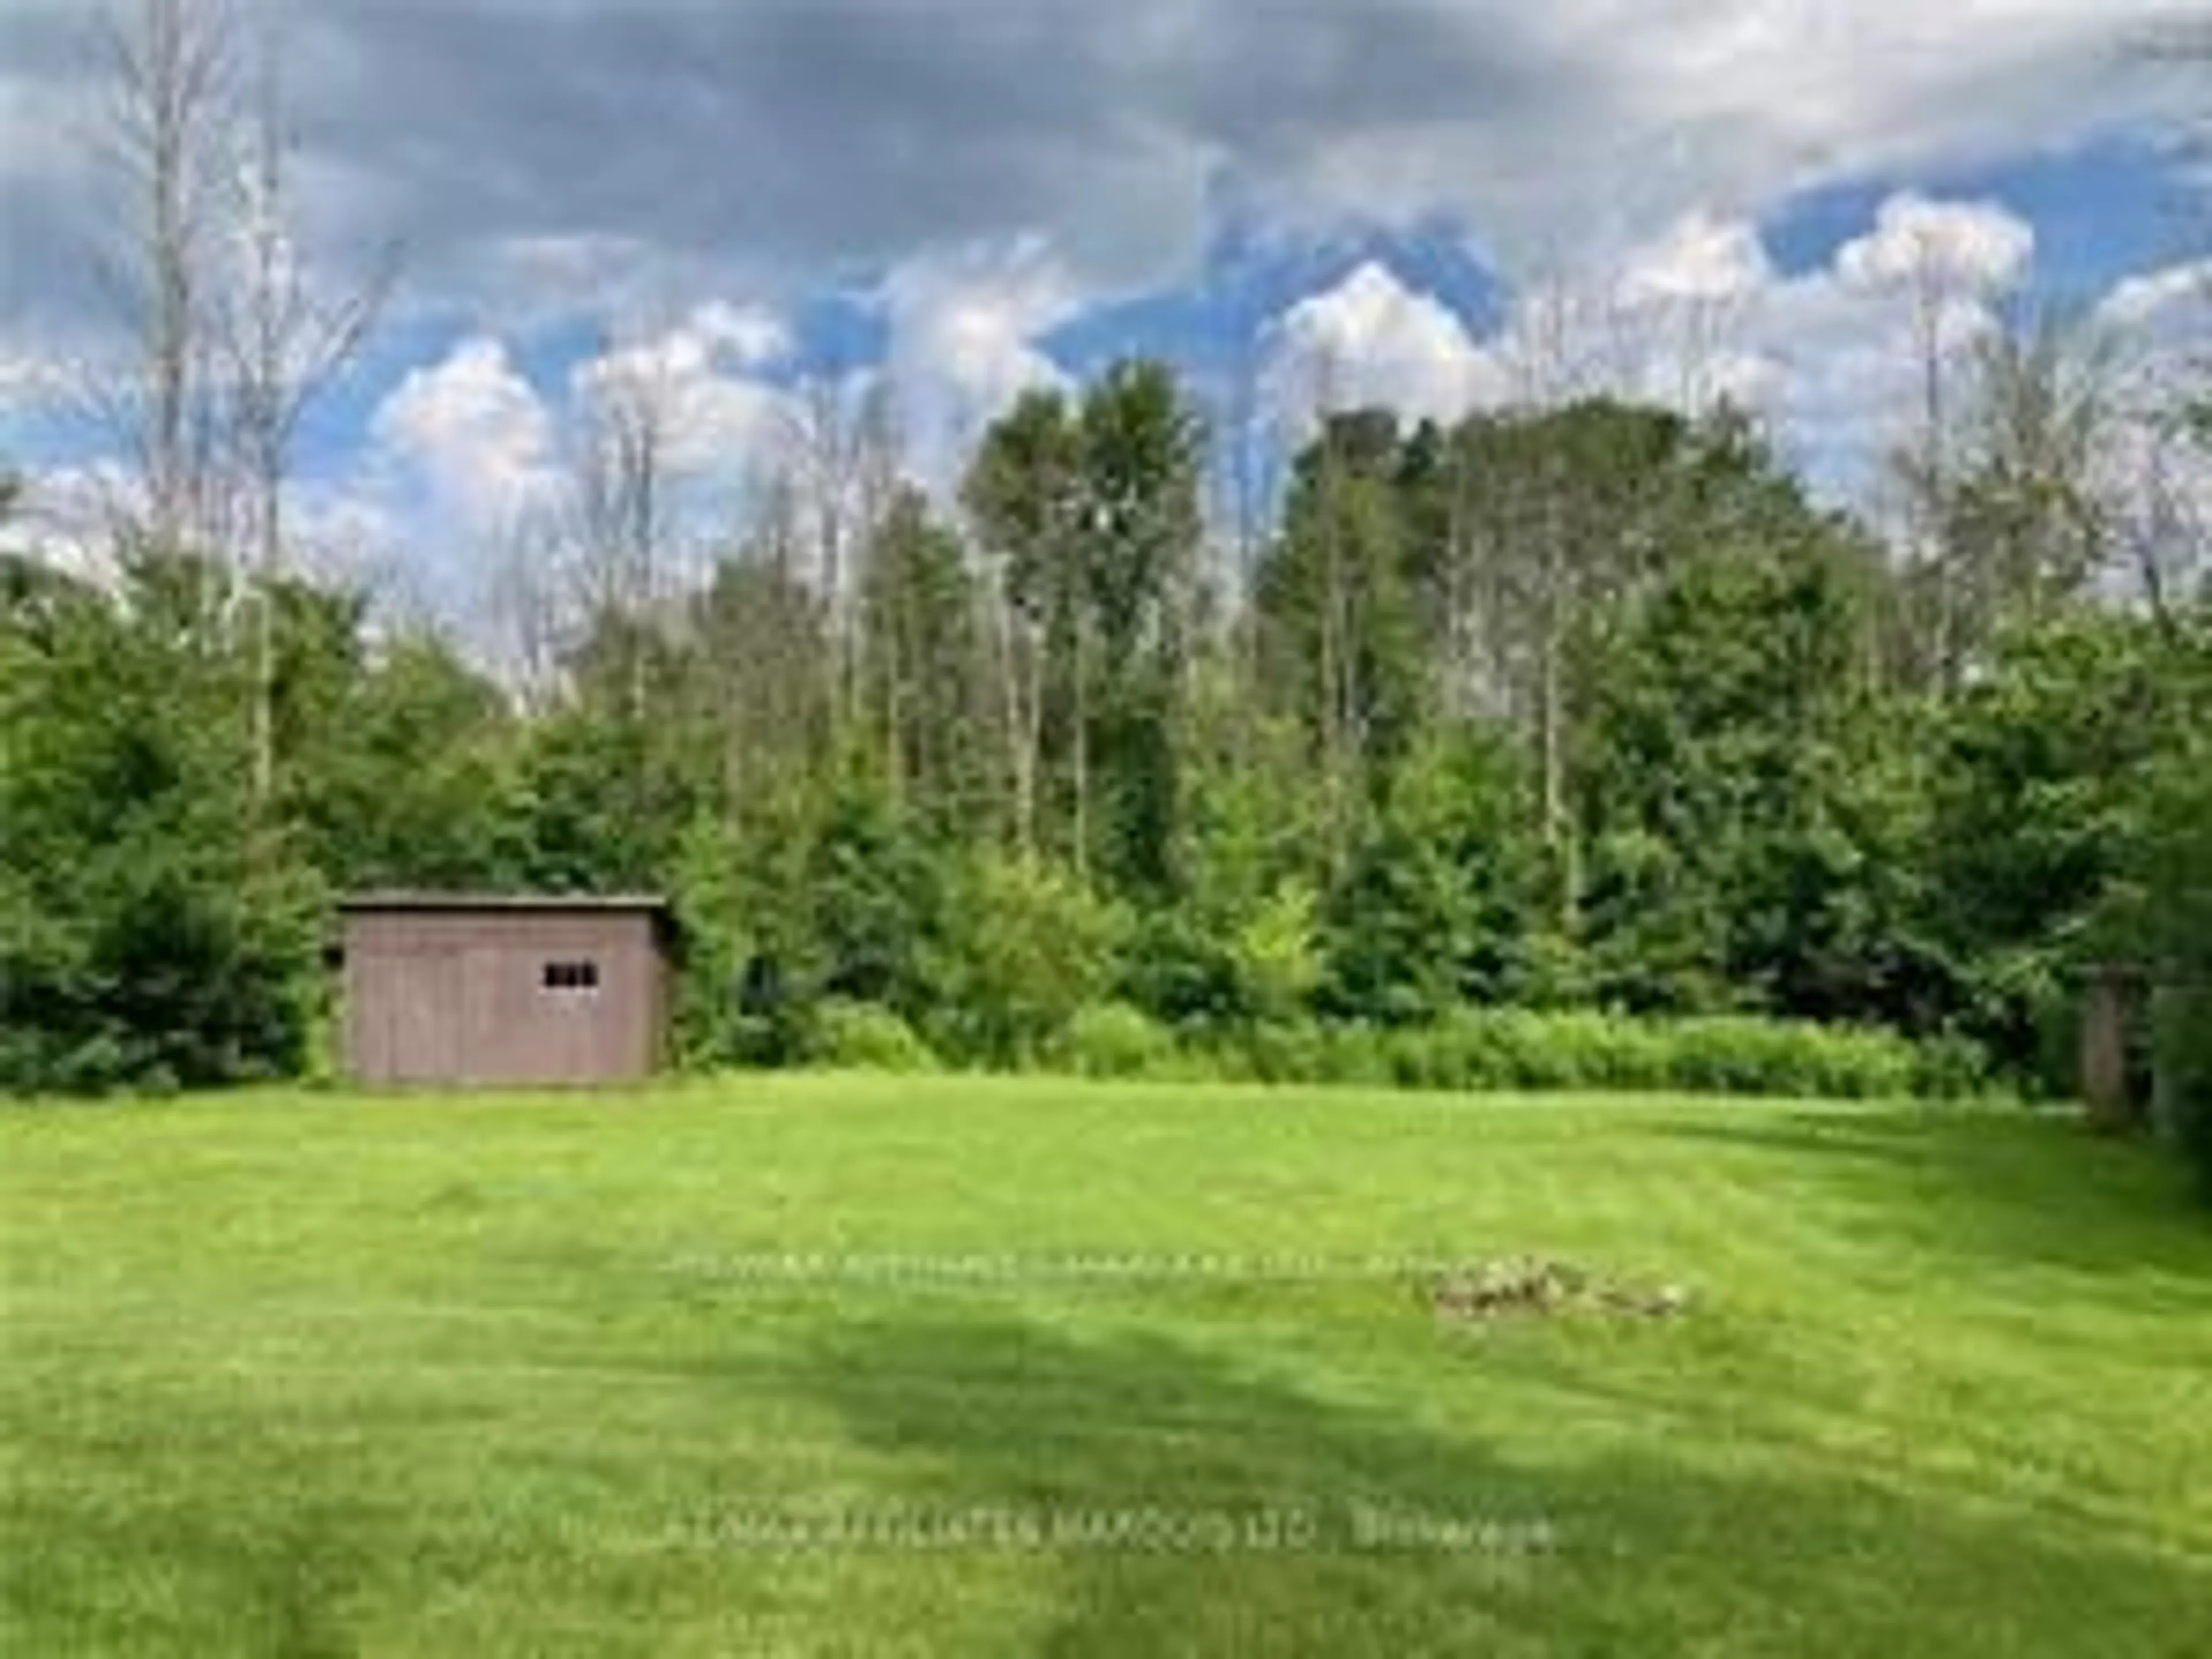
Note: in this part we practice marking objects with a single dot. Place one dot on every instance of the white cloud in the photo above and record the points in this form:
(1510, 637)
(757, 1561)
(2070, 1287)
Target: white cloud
(344, 528)
(2160, 324)
(70, 511)
(964, 341)
(466, 447)
(1676, 320)
(1960, 246)
(2156, 298)
(1829, 356)
(23, 377)
(1851, 341)
(1372, 340)
(751, 336)
(702, 379)
(1702, 258)
(1635, 111)
(474, 431)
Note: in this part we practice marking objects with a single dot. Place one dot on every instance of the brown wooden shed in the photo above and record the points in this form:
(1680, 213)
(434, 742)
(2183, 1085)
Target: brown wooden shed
(477, 990)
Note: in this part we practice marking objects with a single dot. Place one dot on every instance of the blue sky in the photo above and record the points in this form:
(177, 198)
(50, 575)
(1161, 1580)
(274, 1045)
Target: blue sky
(1433, 203)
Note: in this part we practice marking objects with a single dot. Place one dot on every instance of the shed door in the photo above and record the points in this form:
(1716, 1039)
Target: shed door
(423, 1039)
(516, 1030)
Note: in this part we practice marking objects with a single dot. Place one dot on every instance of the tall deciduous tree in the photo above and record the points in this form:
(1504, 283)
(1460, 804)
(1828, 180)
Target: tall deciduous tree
(2026, 523)
(1023, 492)
(1142, 469)
(926, 694)
(1342, 636)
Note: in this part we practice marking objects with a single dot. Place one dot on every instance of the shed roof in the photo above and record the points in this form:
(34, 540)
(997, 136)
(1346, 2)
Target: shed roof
(628, 903)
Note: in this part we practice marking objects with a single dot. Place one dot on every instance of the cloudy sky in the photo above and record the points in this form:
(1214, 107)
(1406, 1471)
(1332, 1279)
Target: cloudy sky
(1434, 201)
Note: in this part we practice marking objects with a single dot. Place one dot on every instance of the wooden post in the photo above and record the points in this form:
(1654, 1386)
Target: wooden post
(2104, 1052)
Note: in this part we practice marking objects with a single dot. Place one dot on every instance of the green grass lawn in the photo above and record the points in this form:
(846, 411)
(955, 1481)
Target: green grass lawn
(308, 1374)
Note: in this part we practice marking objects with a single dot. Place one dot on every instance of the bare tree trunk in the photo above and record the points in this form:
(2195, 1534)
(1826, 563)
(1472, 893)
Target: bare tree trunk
(621, 511)
(284, 347)
(894, 716)
(1461, 621)
(849, 460)
(1551, 728)
(1079, 741)
(528, 603)
(1023, 727)
(1933, 469)
(644, 543)
(1557, 594)
(262, 421)
(876, 467)
(1337, 693)
(1250, 465)
(2167, 540)
(175, 83)
(1551, 722)
(167, 130)
(1332, 700)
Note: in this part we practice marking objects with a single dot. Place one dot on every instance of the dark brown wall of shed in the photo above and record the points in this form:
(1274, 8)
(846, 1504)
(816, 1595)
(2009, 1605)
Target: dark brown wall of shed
(663, 1010)
(460, 998)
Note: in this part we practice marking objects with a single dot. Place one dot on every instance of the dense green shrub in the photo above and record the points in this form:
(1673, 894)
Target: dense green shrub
(2172, 868)
(1112, 1039)
(801, 900)
(1431, 905)
(1221, 963)
(1273, 1052)
(1479, 1049)
(860, 1036)
(1025, 947)
(2184, 1047)
(1588, 1049)
(1517, 1048)
(1355, 1055)
(1747, 1057)
(1951, 1066)
(2054, 789)
(1346, 1054)
(161, 977)
(323, 1063)
(153, 930)
(2181, 1039)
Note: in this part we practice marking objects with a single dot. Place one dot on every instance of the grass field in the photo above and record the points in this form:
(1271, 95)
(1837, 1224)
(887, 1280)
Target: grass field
(308, 1374)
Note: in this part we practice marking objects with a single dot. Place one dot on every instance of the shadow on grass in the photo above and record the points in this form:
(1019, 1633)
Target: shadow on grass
(1661, 1548)
(2032, 1189)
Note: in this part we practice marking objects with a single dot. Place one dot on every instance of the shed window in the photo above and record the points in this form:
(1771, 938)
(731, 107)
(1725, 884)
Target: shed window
(571, 976)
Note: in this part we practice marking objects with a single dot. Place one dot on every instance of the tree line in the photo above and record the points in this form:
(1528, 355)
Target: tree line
(1578, 707)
